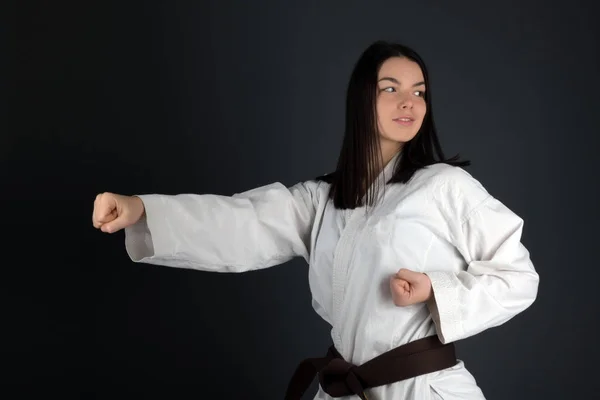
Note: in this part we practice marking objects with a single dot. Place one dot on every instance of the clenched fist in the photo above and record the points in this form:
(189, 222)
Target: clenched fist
(410, 287)
(113, 212)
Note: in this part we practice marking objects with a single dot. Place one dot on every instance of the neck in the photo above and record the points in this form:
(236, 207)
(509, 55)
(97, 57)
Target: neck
(388, 151)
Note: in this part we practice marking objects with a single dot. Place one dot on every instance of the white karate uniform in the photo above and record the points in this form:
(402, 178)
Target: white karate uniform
(442, 223)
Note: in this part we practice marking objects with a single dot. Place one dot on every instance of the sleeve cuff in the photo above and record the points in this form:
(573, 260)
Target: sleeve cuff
(444, 306)
(146, 239)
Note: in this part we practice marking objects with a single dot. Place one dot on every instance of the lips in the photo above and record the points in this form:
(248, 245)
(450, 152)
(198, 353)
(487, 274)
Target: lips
(404, 120)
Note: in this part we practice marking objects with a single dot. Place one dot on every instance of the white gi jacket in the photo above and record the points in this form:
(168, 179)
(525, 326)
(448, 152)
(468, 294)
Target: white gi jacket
(443, 223)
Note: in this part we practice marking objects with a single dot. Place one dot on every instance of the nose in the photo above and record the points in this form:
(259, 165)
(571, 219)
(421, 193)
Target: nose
(405, 103)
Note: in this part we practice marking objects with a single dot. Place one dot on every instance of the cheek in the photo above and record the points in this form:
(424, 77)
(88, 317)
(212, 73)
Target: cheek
(383, 107)
(384, 112)
(420, 110)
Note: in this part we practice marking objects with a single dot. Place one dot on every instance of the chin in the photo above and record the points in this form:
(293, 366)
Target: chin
(401, 139)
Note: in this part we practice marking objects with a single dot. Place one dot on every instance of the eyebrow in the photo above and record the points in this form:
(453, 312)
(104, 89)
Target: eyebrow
(387, 78)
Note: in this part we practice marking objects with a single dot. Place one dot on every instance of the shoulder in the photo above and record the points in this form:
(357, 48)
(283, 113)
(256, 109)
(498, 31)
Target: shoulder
(455, 190)
(312, 191)
(446, 177)
(314, 185)
(326, 178)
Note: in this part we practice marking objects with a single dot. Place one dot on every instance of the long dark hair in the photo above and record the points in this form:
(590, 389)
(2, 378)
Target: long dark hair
(360, 156)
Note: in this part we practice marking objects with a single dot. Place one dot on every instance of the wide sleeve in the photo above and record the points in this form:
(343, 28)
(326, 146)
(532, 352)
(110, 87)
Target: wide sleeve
(499, 280)
(252, 230)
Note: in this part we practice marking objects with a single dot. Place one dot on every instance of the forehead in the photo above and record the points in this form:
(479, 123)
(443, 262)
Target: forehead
(402, 69)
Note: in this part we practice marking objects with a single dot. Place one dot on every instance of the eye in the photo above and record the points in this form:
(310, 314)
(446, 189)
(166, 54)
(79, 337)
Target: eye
(389, 89)
(420, 93)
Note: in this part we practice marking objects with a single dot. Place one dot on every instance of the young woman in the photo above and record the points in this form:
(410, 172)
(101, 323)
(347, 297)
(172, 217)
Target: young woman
(407, 252)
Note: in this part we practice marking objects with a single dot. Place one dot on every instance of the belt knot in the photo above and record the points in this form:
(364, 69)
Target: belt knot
(339, 377)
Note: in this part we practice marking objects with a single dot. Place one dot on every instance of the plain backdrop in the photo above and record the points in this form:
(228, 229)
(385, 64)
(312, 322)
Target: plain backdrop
(222, 96)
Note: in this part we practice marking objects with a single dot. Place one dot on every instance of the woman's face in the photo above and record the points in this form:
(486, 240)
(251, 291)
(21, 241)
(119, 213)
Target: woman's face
(401, 103)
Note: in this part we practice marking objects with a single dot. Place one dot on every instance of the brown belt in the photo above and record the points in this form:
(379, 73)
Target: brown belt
(339, 378)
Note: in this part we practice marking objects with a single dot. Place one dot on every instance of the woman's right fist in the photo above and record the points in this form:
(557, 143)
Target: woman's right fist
(113, 212)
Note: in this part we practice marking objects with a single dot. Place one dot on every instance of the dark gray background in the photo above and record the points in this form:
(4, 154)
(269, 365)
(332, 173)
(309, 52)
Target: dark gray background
(222, 96)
